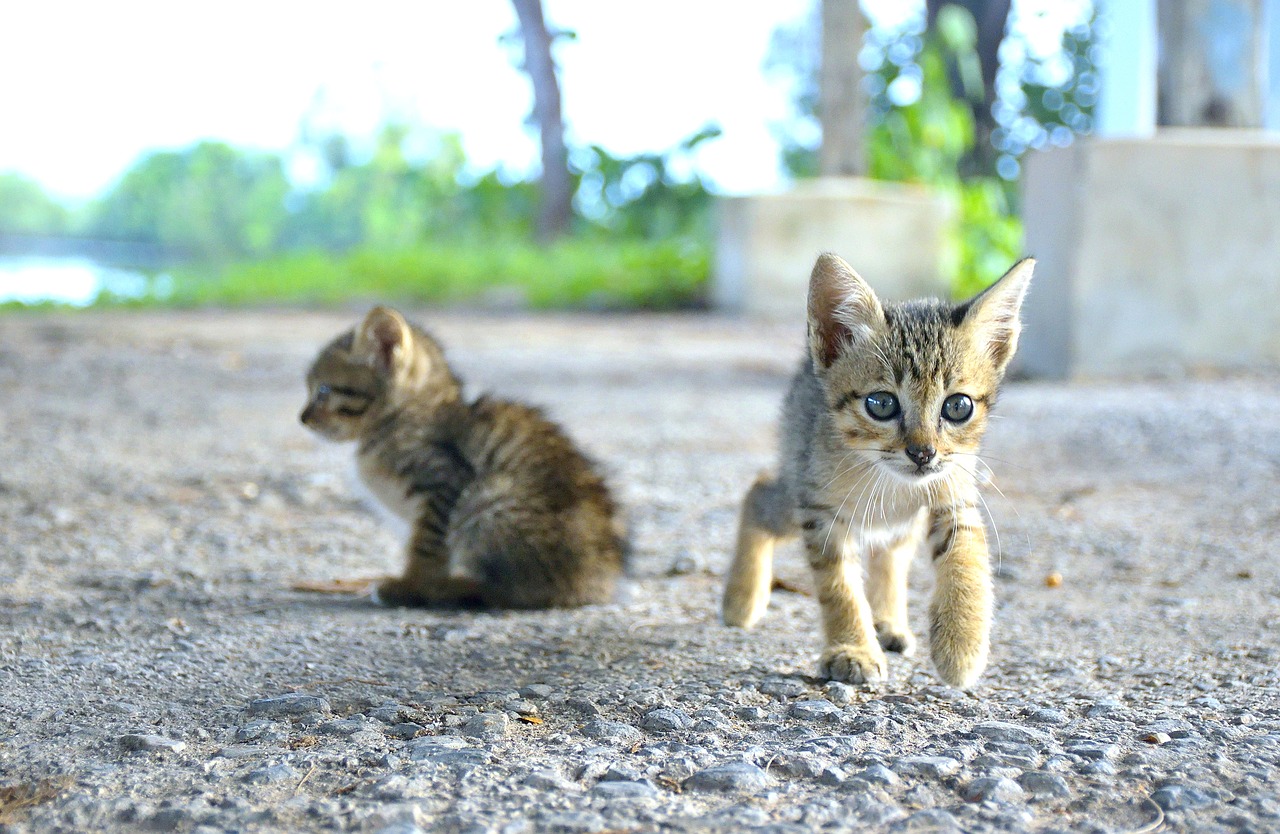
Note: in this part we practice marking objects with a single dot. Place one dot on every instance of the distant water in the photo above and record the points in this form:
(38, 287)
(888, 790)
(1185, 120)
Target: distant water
(74, 281)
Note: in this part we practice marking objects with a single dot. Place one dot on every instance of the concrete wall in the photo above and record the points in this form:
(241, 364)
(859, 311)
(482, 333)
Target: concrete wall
(1155, 255)
(892, 234)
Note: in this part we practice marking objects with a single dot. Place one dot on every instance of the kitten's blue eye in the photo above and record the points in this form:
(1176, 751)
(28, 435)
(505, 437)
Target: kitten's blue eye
(323, 392)
(882, 405)
(957, 408)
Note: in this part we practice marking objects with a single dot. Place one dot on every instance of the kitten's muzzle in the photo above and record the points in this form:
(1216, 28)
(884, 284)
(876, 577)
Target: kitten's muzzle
(920, 455)
(308, 414)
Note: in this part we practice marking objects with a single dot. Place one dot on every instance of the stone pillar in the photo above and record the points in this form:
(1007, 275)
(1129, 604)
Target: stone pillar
(842, 105)
(1213, 63)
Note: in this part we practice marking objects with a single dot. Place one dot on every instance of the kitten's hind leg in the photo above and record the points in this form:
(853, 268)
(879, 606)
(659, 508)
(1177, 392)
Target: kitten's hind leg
(766, 518)
(888, 563)
(426, 579)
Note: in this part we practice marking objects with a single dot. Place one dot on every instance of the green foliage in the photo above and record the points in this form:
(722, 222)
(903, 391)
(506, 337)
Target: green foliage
(920, 132)
(591, 274)
(925, 141)
(25, 209)
(642, 196)
(406, 219)
(211, 202)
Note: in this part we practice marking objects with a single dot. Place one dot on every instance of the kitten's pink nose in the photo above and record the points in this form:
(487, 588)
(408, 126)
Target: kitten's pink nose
(920, 455)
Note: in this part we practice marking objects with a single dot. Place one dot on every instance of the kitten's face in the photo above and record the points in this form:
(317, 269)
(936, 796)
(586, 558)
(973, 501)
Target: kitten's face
(342, 389)
(910, 386)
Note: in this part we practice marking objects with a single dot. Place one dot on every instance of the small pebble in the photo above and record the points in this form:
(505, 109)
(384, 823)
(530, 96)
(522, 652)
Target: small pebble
(294, 704)
(666, 720)
(612, 731)
(147, 743)
(735, 777)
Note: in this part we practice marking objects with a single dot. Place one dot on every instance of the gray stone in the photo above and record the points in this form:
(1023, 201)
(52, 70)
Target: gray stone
(1045, 715)
(1004, 731)
(839, 693)
(1175, 797)
(537, 691)
(932, 820)
(487, 725)
(520, 706)
(549, 780)
(992, 789)
(406, 730)
(666, 720)
(148, 743)
(1040, 783)
(878, 774)
(783, 688)
(341, 727)
(872, 811)
(426, 747)
(585, 706)
(734, 777)
(271, 774)
(815, 710)
(930, 766)
(1095, 750)
(390, 713)
(614, 732)
(624, 790)
(291, 705)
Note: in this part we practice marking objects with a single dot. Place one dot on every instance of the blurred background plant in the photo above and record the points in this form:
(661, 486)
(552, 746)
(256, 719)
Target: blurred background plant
(945, 114)
(406, 218)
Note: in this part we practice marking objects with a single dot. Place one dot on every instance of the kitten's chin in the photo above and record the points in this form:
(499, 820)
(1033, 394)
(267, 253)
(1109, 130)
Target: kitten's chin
(915, 476)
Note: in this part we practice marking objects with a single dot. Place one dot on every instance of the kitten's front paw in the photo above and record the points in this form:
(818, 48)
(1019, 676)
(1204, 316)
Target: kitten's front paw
(959, 650)
(397, 593)
(896, 639)
(852, 664)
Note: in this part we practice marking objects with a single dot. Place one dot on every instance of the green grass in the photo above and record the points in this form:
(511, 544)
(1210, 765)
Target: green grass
(572, 274)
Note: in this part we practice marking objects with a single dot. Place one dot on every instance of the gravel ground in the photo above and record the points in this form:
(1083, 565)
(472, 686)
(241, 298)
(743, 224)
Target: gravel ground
(162, 668)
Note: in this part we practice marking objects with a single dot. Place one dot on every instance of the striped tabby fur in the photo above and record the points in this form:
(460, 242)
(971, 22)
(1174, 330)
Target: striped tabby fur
(880, 434)
(503, 509)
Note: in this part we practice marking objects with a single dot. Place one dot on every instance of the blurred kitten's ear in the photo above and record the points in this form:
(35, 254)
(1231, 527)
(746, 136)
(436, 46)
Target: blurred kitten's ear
(382, 337)
(992, 315)
(842, 309)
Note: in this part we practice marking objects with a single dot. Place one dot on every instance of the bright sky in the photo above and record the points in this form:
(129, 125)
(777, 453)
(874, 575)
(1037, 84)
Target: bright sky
(87, 86)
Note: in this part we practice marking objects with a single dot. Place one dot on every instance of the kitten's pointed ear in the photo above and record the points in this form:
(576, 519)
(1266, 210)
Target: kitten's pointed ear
(383, 337)
(993, 314)
(842, 309)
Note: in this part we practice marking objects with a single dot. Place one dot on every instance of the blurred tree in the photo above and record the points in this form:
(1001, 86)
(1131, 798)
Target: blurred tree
(642, 196)
(25, 209)
(211, 201)
(978, 88)
(557, 183)
(1029, 100)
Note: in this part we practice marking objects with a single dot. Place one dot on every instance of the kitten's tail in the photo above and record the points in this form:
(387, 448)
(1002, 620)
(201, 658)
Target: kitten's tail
(765, 519)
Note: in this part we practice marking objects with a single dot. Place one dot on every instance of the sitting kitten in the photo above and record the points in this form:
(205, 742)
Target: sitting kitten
(503, 509)
(880, 431)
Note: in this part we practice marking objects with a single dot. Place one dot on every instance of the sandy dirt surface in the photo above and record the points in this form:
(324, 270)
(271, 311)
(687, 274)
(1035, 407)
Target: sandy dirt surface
(164, 667)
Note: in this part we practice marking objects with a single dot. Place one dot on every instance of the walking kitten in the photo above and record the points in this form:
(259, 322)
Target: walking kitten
(504, 510)
(880, 433)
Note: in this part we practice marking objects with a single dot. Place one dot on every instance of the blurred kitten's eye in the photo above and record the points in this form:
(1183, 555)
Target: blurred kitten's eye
(323, 392)
(957, 408)
(882, 405)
